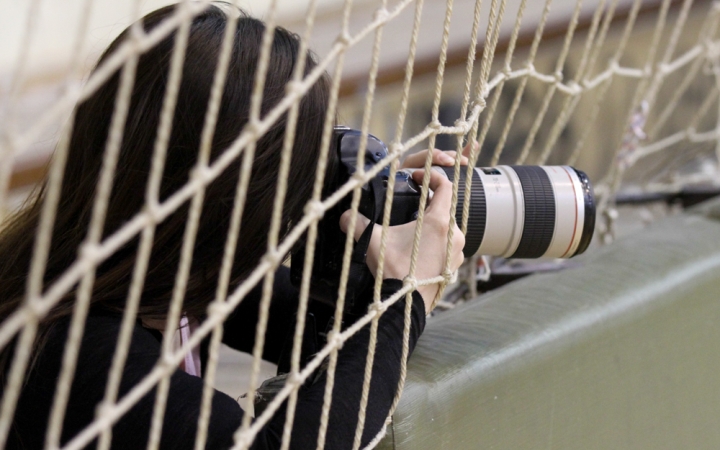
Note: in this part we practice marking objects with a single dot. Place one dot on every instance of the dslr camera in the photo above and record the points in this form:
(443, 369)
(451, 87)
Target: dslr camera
(515, 212)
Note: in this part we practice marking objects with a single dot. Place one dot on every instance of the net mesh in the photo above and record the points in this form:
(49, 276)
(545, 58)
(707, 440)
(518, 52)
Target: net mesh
(536, 104)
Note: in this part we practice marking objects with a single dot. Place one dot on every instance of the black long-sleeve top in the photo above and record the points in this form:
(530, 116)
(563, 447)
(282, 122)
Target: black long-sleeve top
(183, 405)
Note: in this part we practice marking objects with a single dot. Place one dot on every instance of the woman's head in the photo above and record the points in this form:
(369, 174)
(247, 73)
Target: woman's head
(87, 145)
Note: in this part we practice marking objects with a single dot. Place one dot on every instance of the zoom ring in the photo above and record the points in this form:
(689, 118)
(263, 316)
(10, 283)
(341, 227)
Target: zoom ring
(539, 199)
(477, 214)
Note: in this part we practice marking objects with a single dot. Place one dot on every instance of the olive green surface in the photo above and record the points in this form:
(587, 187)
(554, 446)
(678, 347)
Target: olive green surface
(620, 352)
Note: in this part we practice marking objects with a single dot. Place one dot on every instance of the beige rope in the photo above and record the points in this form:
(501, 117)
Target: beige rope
(82, 302)
(607, 20)
(659, 75)
(612, 64)
(135, 225)
(571, 100)
(255, 109)
(614, 176)
(38, 303)
(540, 116)
(317, 190)
(523, 83)
(491, 38)
(410, 280)
(499, 88)
(76, 94)
(399, 128)
(219, 313)
(34, 283)
(367, 113)
(130, 313)
(209, 126)
(160, 211)
(161, 144)
(340, 304)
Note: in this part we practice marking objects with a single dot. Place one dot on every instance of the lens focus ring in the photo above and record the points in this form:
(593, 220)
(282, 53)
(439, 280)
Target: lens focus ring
(477, 214)
(539, 199)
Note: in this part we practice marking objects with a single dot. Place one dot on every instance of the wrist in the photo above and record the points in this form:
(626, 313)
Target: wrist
(428, 294)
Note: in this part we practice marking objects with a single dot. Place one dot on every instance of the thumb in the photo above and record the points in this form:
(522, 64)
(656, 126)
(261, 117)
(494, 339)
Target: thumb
(360, 224)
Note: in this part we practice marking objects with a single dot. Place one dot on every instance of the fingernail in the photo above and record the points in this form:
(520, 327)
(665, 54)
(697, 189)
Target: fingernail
(447, 159)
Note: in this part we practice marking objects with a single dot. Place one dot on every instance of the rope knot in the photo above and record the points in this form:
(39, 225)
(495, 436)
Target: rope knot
(293, 88)
(293, 379)
(359, 176)
(137, 35)
(152, 210)
(166, 360)
(200, 173)
(435, 125)
(410, 281)
(449, 277)
(558, 75)
(380, 308)
(90, 251)
(464, 125)
(253, 127)
(274, 257)
(217, 308)
(103, 409)
(334, 340)
(396, 147)
(343, 39)
(33, 309)
(381, 14)
(314, 209)
(575, 88)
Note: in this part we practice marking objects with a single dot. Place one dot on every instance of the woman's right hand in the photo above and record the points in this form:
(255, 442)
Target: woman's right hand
(433, 241)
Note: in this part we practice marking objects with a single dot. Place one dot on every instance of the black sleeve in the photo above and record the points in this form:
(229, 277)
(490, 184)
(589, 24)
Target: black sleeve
(88, 388)
(349, 378)
(239, 327)
(183, 404)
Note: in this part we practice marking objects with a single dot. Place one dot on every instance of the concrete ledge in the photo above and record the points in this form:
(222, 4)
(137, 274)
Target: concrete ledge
(622, 352)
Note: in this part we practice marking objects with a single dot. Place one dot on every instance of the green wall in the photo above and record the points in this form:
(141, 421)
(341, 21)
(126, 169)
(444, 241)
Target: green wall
(620, 352)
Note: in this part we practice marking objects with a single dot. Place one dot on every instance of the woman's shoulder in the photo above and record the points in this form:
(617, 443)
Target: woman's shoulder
(98, 343)
(100, 333)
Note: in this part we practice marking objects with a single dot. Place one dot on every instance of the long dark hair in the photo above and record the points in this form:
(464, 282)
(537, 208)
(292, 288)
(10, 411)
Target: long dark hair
(86, 149)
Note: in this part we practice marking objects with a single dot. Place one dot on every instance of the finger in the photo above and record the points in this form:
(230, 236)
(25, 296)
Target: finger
(458, 246)
(414, 161)
(360, 224)
(439, 158)
(442, 191)
(470, 146)
(453, 154)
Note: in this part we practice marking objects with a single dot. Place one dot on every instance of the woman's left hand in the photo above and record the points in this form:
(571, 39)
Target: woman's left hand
(439, 158)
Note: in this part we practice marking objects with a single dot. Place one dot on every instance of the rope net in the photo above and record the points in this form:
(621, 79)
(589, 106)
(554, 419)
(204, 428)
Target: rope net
(530, 92)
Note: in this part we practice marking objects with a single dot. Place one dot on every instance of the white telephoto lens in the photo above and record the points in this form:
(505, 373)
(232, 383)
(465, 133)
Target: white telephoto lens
(526, 211)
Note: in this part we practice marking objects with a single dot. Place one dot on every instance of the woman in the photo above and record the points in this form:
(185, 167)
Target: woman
(113, 276)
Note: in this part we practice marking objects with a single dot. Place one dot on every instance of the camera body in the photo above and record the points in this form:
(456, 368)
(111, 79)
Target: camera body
(330, 244)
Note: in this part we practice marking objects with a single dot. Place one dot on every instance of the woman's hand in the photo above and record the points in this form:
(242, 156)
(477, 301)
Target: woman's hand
(433, 241)
(439, 158)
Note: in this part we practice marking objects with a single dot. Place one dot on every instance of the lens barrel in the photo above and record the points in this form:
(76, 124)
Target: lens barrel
(526, 211)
